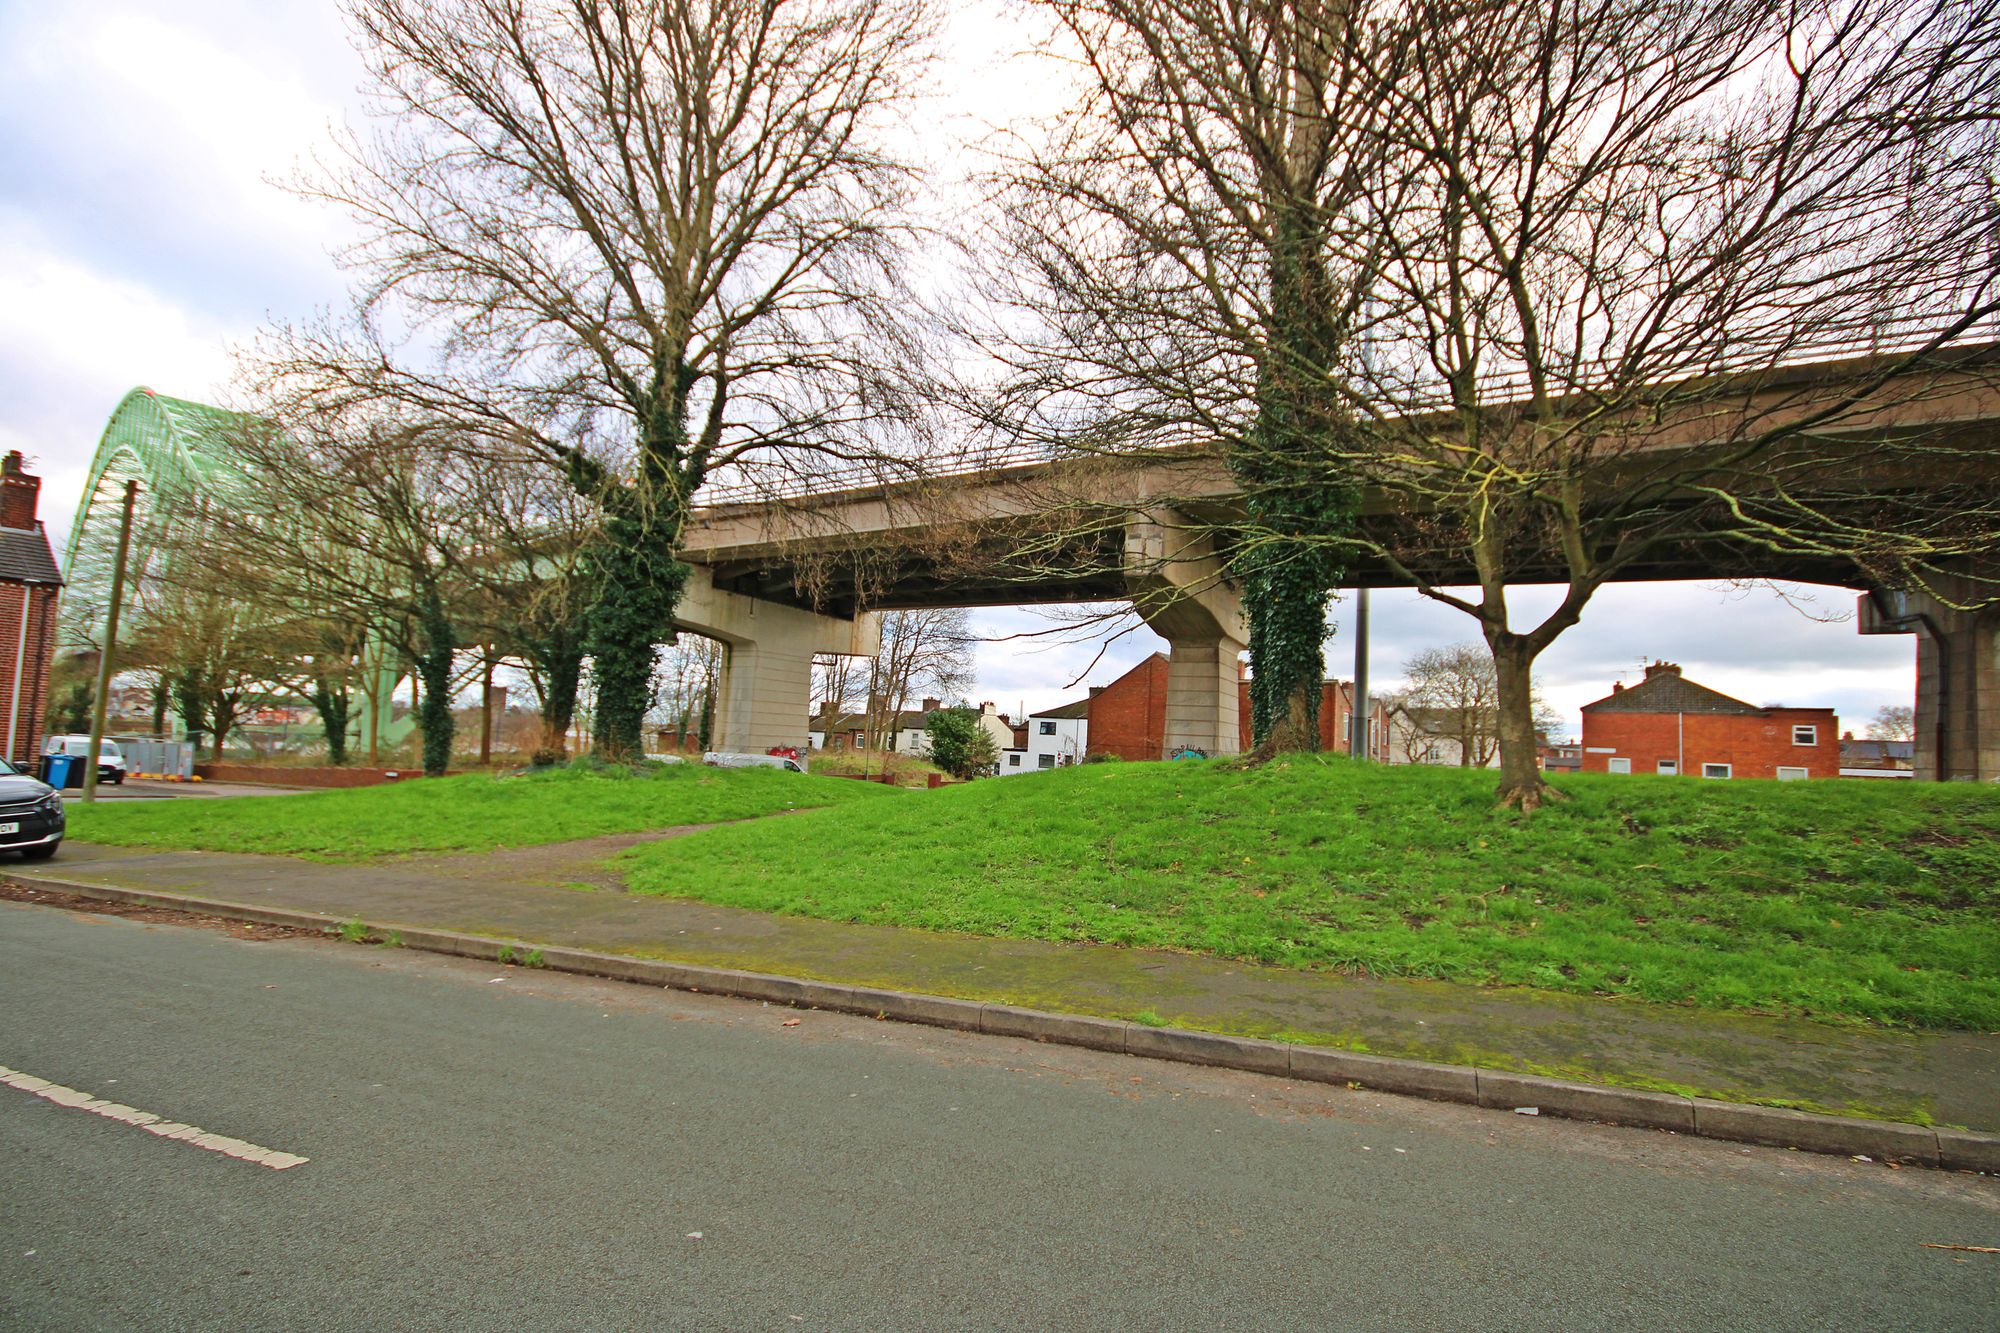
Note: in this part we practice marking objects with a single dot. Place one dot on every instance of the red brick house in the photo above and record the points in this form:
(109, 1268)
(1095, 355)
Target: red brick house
(1670, 725)
(1128, 717)
(29, 587)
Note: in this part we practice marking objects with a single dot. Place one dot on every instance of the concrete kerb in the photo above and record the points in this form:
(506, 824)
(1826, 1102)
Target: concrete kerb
(1882, 1140)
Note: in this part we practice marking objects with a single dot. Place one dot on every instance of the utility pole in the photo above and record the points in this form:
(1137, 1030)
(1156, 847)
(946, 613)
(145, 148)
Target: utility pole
(104, 664)
(1357, 722)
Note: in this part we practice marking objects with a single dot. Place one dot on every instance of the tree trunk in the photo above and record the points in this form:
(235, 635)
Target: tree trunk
(334, 707)
(638, 579)
(1522, 785)
(1287, 610)
(433, 667)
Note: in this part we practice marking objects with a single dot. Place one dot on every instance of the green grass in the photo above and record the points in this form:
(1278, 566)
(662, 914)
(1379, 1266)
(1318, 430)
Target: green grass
(476, 812)
(1873, 901)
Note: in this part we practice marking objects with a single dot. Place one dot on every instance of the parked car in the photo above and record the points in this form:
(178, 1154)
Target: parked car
(31, 815)
(110, 763)
(731, 759)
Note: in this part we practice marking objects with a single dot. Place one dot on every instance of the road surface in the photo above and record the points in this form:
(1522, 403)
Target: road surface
(500, 1148)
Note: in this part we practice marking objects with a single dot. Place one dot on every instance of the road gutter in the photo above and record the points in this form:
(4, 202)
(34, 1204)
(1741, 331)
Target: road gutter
(1881, 1140)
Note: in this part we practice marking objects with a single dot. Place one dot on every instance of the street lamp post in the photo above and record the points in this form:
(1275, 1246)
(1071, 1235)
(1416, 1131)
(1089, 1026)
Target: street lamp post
(104, 664)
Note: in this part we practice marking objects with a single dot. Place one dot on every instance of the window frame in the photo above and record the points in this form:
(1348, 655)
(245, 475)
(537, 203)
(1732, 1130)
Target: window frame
(1793, 773)
(1811, 730)
(1618, 764)
(1048, 726)
(1045, 761)
(1666, 768)
(1728, 772)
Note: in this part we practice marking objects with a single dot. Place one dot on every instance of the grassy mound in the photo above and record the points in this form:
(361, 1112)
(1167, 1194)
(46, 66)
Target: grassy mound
(475, 812)
(1878, 901)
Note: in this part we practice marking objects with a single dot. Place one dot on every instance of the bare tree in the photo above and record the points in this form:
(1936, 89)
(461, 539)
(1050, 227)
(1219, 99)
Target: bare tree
(1894, 722)
(1573, 257)
(650, 241)
(838, 682)
(1177, 270)
(922, 651)
(1620, 226)
(690, 674)
(348, 529)
(1454, 694)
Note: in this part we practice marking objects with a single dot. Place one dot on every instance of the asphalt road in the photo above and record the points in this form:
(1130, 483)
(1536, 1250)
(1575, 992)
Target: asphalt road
(552, 1152)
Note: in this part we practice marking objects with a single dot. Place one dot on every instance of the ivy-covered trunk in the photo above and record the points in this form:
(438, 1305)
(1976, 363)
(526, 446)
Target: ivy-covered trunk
(162, 696)
(190, 692)
(558, 659)
(638, 579)
(1298, 505)
(639, 584)
(433, 666)
(334, 707)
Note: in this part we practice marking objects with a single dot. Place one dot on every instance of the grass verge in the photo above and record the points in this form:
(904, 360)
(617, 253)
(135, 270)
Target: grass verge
(475, 812)
(1878, 902)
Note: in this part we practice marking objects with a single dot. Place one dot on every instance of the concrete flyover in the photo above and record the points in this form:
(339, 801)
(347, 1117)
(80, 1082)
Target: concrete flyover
(1155, 530)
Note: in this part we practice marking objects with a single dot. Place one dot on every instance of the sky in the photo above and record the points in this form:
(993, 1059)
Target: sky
(143, 236)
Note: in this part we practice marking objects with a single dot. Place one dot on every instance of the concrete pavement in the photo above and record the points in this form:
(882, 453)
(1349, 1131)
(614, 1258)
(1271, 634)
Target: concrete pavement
(570, 894)
(560, 1153)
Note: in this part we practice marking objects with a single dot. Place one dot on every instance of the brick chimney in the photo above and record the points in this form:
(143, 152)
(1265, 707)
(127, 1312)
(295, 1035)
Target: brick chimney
(932, 705)
(20, 495)
(1663, 669)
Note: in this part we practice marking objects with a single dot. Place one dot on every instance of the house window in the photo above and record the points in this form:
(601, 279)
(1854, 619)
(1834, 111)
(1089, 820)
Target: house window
(1792, 774)
(1805, 735)
(1666, 768)
(1045, 761)
(1715, 770)
(1048, 729)
(1013, 761)
(1618, 765)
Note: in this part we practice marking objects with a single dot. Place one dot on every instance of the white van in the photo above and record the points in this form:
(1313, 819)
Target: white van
(110, 763)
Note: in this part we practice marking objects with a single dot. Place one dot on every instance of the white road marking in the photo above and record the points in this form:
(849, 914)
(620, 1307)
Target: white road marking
(152, 1124)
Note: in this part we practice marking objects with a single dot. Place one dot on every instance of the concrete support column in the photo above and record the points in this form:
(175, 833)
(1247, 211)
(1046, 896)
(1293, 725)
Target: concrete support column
(1958, 682)
(1203, 696)
(765, 694)
(1178, 587)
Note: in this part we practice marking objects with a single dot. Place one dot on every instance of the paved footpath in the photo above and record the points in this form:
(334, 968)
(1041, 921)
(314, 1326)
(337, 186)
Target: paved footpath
(567, 895)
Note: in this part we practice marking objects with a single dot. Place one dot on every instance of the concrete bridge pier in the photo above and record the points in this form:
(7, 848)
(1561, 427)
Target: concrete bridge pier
(1178, 589)
(1958, 681)
(765, 694)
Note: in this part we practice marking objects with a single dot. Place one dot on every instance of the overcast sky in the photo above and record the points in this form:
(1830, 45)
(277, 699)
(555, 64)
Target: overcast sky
(140, 239)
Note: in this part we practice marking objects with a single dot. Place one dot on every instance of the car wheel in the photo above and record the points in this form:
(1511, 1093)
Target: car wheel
(41, 853)
(118, 781)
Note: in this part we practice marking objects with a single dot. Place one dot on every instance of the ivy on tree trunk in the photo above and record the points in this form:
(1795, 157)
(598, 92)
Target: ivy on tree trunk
(558, 657)
(638, 580)
(334, 706)
(1296, 509)
(433, 667)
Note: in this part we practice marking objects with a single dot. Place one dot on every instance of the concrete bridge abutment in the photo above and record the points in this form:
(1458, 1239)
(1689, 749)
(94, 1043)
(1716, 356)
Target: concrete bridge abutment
(1958, 680)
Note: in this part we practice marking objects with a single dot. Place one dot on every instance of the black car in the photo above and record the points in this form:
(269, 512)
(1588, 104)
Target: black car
(31, 815)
